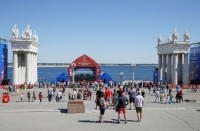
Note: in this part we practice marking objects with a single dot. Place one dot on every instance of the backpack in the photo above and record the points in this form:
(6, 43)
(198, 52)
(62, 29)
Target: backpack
(101, 102)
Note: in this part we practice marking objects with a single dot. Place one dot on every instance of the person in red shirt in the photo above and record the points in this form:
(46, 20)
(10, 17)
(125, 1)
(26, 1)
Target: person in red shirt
(40, 96)
(108, 96)
(181, 95)
(89, 93)
(6, 98)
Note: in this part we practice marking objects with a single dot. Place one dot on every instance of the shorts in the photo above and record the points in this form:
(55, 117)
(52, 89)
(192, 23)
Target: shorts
(132, 100)
(139, 109)
(98, 102)
(102, 111)
(120, 110)
(108, 99)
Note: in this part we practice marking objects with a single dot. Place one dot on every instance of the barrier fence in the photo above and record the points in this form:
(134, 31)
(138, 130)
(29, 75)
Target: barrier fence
(23, 86)
(61, 86)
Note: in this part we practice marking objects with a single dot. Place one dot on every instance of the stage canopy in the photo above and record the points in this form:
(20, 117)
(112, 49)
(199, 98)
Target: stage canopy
(85, 69)
(105, 77)
(63, 77)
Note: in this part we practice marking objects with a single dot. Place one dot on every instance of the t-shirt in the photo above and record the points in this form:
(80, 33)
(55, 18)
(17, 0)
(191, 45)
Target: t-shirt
(138, 100)
(28, 94)
(101, 103)
(107, 93)
(132, 93)
(157, 93)
(122, 102)
(59, 94)
(120, 92)
(99, 94)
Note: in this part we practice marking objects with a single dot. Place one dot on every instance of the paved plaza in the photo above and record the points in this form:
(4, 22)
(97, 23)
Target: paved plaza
(45, 116)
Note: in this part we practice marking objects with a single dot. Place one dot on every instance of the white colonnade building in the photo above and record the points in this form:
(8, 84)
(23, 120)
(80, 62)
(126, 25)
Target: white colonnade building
(25, 50)
(173, 63)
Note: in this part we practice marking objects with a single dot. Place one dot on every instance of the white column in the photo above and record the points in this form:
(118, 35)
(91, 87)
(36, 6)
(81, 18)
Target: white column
(28, 68)
(36, 78)
(169, 64)
(164, 68)
(24, 68)
(180, 67)
(160, 67)
(19, 69)
(174, 80)
(133, 77)
(15, 68)
(186, 69)
(32, 68)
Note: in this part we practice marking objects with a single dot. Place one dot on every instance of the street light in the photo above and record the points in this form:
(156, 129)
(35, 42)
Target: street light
(73, 73)
(133, 67)
(121, 75)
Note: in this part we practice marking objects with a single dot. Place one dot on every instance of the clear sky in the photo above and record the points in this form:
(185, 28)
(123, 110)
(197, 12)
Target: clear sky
(109, 31)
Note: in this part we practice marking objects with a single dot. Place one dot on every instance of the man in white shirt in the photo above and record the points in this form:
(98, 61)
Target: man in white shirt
(139, 103)
(59, 96)
(157, 96)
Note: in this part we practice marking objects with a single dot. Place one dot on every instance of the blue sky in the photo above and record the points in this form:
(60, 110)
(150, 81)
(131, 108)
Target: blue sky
(109, 31)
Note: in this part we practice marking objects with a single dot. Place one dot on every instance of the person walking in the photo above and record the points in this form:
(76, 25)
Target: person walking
(157, 96)
(28, 96)
(34, 96)
(50, 95)
(132, 95)
(181, 95)
(139, 103)
(22, 96)
(40, 96)
(99, 93)
(60, 96)
(102, 107)
(108, 97)
(122, 103)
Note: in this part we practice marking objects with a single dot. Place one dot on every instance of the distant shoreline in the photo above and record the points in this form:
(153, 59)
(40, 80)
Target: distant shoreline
(101, 64)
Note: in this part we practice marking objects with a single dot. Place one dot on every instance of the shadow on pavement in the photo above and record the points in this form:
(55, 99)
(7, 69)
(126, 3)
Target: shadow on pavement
(152, 102)
(63, 110)
(113, 121)
(90, 121)
(127, 120)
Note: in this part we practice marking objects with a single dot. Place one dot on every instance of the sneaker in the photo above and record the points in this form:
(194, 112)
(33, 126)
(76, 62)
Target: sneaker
(125, 122)
(118, 122)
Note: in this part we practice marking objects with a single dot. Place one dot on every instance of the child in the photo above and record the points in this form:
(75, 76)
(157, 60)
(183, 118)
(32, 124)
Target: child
(21, 96)
(143, 93)
(102, 106)
(40, 96)
(171, 98)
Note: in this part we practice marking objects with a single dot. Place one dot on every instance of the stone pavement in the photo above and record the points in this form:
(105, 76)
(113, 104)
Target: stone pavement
(45, 116)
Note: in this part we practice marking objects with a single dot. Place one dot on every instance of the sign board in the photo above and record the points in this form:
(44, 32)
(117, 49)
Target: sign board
(194, 65)
(3, 61)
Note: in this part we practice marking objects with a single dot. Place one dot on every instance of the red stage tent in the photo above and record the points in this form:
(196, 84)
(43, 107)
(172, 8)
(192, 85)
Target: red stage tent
(85, 61)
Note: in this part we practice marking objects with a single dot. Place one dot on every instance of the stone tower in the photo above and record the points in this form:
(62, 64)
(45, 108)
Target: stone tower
(25, 50)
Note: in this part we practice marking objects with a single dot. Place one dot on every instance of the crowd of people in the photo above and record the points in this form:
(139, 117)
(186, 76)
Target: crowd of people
(108, 96)
(118, 100)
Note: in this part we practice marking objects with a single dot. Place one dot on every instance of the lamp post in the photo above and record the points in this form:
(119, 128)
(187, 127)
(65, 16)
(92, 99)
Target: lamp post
(121, 76)
(133, 77)
(73, 73)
